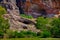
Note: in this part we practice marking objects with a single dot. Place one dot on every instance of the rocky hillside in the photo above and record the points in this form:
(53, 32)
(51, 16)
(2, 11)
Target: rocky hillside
(34, 8)
(17, 22)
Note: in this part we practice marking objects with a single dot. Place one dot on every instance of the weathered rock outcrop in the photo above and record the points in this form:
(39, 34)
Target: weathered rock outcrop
(35, 8)
(16, 22)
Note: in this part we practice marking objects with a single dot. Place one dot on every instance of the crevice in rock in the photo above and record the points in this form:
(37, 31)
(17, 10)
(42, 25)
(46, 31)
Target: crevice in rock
(24, 27)
(1, 0)
(26, 21)
(19, 3)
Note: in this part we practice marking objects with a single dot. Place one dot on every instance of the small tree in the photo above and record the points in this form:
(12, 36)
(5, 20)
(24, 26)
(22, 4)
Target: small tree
(41, 23)
(44, 26)
(4, 25)
(45, 34)
(3, 22)
(31, 34)
(55, 30)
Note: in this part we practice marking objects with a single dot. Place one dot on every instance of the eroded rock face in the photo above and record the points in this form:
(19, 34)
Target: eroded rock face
(16, 7)
(16, 22)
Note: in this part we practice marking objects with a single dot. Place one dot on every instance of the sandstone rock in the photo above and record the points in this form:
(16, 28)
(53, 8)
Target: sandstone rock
(15, 21)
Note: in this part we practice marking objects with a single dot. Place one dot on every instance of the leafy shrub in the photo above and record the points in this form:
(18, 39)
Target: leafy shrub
(26, 16)
(22, 34)
(41, 23)
(15, 34)
(10, 33)
(3, 22)
(55, 30)
(1, 34)
(31, 34)
(2, 11)
(45, 34)
(4, 25)
(44, 25)
(52, 31)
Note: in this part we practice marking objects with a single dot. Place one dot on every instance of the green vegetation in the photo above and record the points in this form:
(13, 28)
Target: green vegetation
(41, 23)
(4, 25)
(2, 10)
(45, 34)
(55, 30)
(49, 27)
(21, 34)
(26, 16)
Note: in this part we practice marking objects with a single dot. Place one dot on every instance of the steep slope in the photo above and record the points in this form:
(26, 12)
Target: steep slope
(17, 22)
(35, 8)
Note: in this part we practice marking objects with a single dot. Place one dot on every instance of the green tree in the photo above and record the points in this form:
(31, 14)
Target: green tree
(4, 25)
(31, 34)
(55, 30)
(44, 25)
(1, 34)
(21, 34)
(41, 23)
(44, 34)
(3, 22)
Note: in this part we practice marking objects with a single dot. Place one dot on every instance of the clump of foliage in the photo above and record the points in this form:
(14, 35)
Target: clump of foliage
(55, 30)
(26, 16)
(41, 23)
(49, 28)
(21, 34)
(3, 22)
(1, 34)
(4, 25)
(30, 34)
(2, 10)
(45, 34)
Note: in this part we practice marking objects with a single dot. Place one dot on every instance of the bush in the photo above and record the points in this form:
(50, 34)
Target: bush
(10, 33)
(28, 34)
(41, 23)
(55, 30)
(44, 25)
(1, 34)
(31, 34)
(45, 34)
(15, 34)
(26, 16)
(3, 24)
(22, 34)
(2, 11)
